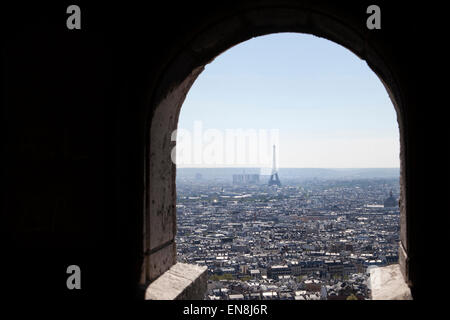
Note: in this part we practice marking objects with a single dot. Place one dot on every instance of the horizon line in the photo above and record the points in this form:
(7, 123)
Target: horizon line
(289, 167)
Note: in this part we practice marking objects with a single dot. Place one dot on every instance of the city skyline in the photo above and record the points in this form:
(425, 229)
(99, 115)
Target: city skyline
(304, 240)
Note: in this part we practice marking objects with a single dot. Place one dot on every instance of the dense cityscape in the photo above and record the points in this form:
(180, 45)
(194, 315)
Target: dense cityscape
(309, 240)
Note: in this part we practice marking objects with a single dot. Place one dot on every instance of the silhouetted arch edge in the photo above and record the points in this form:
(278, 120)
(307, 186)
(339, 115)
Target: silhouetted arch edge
(185, 66)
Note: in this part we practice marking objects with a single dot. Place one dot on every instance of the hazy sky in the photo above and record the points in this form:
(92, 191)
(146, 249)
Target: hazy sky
(330, 109)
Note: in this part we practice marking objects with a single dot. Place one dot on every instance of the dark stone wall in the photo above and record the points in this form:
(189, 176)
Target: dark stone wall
(76, 114)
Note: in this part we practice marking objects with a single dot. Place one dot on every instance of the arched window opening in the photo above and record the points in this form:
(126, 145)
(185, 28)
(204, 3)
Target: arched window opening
(288, 172)
(160, 226)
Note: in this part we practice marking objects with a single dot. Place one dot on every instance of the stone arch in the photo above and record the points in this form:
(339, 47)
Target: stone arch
(188, 62)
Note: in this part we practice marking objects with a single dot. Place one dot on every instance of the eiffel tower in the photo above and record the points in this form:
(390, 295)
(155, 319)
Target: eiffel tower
(274, 180)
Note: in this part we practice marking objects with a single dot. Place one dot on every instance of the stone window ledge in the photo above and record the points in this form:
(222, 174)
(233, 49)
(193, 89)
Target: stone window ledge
(387, 283)
(181, 282)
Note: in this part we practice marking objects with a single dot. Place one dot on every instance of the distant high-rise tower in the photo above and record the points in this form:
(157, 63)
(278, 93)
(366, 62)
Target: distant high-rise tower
(274, 180)
(391, 201)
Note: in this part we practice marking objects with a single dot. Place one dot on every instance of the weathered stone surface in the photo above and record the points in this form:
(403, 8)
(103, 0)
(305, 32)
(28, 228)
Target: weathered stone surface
(403, 261)
(161, 216)
(181, 282)
(161, 260)
(216, 35)
(387, 283)
(281, 17)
